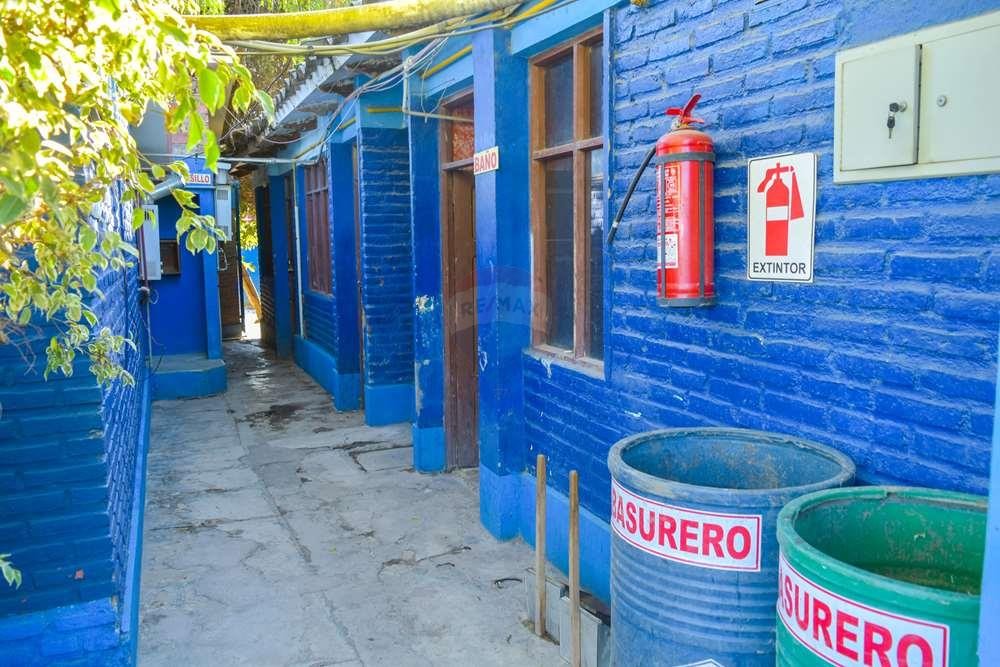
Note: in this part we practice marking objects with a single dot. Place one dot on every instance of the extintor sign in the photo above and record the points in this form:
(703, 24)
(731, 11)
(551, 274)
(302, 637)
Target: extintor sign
(781, 220)
(698, 538)
(845, 632)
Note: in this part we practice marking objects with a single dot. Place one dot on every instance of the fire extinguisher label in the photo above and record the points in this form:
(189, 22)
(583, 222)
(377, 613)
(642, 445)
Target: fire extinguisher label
(781, 217)
(667, 248)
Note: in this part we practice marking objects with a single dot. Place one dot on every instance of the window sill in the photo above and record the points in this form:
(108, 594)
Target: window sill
(548, 354)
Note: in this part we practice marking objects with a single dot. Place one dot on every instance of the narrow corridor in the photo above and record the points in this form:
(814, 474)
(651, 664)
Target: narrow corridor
(281, 532)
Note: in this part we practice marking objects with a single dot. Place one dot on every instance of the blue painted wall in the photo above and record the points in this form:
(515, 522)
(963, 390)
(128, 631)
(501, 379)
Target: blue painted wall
(69, 490)
(387, 285)
(178, 314)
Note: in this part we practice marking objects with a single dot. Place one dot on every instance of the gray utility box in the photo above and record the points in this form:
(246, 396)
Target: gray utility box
(595, 632)
(554, 590)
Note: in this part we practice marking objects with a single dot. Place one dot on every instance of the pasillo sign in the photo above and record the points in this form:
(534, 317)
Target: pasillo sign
(702, 539)
(487, 160)
(848, 633)
(781, 217)
(200, 178)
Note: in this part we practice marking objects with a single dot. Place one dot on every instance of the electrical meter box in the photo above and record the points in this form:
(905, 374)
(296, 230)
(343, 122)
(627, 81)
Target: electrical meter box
(920, 105)
(149, 260)
(224, 210)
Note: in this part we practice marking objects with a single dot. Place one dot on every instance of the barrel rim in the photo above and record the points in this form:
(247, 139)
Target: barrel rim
(790, 541)
(775, 496)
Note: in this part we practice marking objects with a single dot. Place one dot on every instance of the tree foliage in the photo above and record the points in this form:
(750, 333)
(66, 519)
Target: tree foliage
(74, 74)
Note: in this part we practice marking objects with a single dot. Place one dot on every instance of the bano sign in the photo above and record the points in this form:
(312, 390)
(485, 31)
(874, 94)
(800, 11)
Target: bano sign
(781, 217)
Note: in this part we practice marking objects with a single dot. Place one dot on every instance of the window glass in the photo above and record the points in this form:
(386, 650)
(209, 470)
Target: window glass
(559, 101)
(596, 259)
(597, 90)
(463, 135)
(559, 250)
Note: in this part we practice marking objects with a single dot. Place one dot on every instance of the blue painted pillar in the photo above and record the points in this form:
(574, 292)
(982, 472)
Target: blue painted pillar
(302, 268)
(340, 171)
(279, 254)
(210, 281)
(503, 275)
(428, 321)
(989, 612)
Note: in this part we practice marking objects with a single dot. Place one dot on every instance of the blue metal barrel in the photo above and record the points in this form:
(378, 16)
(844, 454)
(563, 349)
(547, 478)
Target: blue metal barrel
(694, 556)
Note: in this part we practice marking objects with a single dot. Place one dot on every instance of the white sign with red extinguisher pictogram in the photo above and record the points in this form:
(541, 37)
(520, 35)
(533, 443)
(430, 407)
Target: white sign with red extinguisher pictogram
(781, 217)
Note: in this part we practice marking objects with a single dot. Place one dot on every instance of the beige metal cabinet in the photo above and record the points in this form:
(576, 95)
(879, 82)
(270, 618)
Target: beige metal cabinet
(944, 83)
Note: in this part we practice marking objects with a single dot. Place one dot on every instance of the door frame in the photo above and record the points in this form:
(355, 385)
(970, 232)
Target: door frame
(457, 174)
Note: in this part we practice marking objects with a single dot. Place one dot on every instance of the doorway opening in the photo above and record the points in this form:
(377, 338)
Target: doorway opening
(458, 253)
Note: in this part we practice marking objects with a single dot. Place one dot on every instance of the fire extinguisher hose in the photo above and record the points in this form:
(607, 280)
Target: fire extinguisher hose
(628, 194)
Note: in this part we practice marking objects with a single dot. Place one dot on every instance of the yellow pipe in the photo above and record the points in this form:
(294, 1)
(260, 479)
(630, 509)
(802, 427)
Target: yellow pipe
(388, 15)
(384, 109)
(437, 67)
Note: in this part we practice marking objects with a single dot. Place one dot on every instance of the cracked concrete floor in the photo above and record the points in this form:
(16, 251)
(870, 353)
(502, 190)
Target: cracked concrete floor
(281, 532)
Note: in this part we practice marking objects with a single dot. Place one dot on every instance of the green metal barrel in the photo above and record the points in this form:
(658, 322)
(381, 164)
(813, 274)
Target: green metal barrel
(880, 576)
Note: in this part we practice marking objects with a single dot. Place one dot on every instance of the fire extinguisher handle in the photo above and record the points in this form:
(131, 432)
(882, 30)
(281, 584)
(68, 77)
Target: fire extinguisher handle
(628, 195)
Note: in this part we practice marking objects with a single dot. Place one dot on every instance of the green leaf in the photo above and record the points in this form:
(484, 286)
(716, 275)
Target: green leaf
(158, 171)
(211, 152)
(266, 102)
(10, 208)
(211, 89)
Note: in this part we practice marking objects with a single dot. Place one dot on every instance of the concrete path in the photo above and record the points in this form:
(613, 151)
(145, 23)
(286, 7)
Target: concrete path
(281, 532)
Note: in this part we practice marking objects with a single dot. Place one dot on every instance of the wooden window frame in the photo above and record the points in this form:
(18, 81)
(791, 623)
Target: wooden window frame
(317, 200)
(584, 144)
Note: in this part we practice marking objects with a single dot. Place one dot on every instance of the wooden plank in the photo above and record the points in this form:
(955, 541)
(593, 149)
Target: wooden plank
(574, 567)
(540, 560)
(581, 122)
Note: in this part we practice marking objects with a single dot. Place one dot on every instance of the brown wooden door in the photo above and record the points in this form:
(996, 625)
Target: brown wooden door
(461, 359)
(458, 252)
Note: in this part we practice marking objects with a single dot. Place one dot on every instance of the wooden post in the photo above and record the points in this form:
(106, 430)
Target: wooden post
(574, 566)
(540, 559)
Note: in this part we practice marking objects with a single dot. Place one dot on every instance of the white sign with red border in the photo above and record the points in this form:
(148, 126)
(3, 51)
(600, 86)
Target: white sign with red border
(847, 633)
(698, 538)
(781, 217)
(487, 160)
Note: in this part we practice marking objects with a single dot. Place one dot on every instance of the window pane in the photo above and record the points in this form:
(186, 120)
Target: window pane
(463, 136)
(596, 286)
(559, 250)
(559, 101)
(597, 90)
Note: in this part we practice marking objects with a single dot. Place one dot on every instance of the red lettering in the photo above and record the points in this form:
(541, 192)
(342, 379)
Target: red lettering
(711, 536)
(877, 642)
(688, 535)
(802, 618)
(630, 517)
(821, 621)
(620, 511)
(844, 635)
(647, 535)
(745, 542)
(903, 652)
(667, 527)
(787, 595)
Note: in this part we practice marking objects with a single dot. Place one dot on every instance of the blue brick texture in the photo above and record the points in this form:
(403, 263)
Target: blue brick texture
(386, 255)
(83, 634)
(68, 451)
(890, 356)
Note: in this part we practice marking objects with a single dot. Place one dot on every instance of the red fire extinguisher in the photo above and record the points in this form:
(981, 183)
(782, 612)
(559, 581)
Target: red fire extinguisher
(781, 206)
(684, 221)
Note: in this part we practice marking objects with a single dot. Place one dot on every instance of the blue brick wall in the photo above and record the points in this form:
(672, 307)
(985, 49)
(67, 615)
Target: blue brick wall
(82, 634)
(387, 283)
(890, 356)
(68, 454)
(321, 327)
